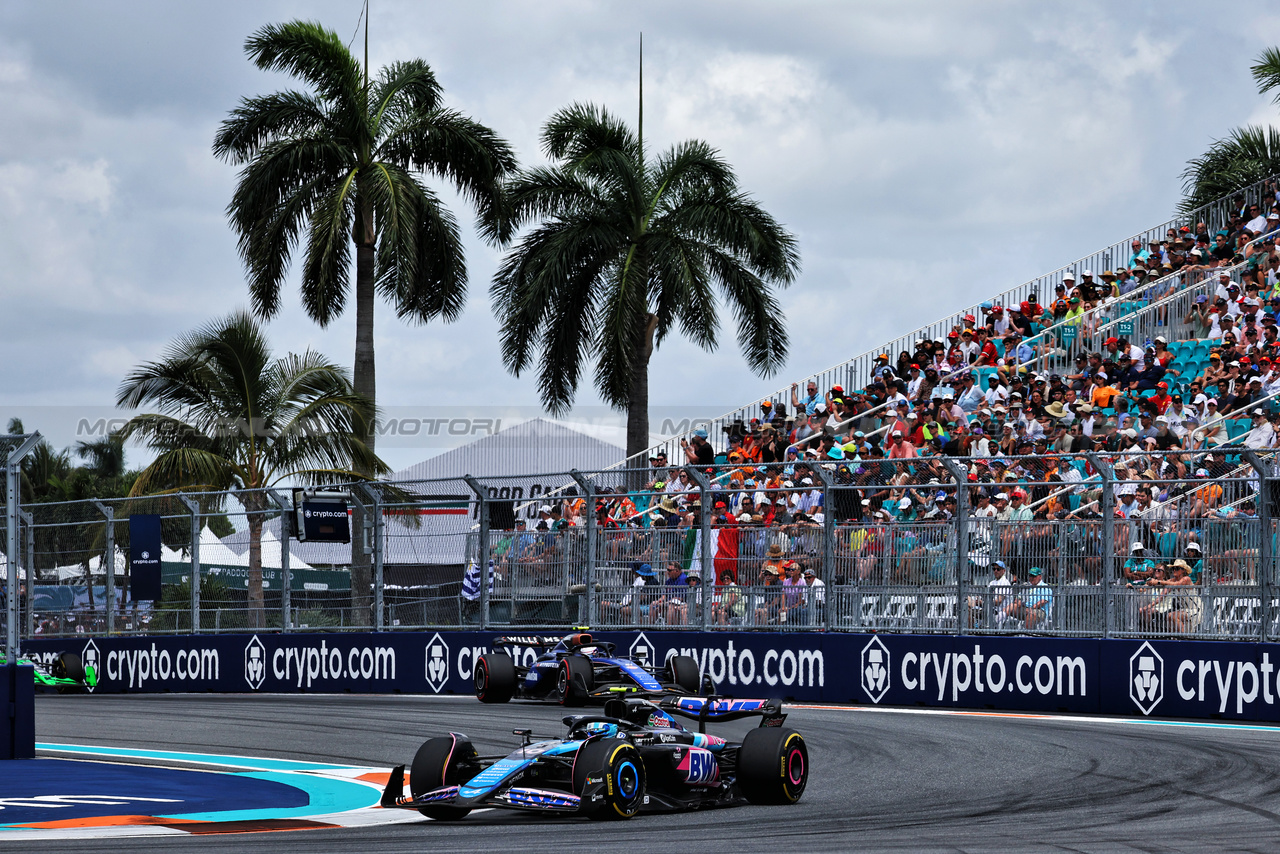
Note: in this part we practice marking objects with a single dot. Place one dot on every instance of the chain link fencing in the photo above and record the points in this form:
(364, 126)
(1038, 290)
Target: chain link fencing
(1092, 545)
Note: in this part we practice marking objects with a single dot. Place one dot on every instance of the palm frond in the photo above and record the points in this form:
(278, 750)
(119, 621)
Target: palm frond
(1247, 155)
(1266, 72)
(307, 50)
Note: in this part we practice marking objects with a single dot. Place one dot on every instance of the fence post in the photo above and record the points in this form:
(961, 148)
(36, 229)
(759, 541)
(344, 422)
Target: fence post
(482, 546)
(110, 513)
(1264, 539)
(589, 495)
(194, 509)
(961, 476)
(28, 621)
(286, 577)
(12, 480)
(828, 535)
(704, 556)
(1107, 505)
(378, 534)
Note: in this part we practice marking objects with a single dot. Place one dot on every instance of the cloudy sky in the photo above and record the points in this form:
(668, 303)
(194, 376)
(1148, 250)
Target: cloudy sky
(926, 155)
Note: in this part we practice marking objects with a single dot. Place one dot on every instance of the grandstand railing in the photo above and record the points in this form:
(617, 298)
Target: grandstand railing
(879, 564)
(854, 373)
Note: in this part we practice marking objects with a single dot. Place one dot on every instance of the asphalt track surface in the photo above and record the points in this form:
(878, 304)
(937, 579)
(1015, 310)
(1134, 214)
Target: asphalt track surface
(881, 780)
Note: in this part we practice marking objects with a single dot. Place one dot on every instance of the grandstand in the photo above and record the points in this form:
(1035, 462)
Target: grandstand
(1124, 290)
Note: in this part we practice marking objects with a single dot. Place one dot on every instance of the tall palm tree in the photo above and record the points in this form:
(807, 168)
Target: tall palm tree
(1245, 156)
(626, 249)
(339, 166)
(229, 416)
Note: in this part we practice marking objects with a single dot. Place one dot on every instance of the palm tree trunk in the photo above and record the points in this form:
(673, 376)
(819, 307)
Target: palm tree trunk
(364, 380)
(638, 401)
(257, 608)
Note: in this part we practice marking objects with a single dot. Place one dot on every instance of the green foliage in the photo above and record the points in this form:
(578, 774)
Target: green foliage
(624, 250)
(339, 164)
(173, 611)
(230, 416)
(1245, 156)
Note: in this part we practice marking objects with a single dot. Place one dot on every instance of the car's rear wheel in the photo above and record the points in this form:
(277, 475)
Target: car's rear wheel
(617, 761)
(684, 672)
(440, 762)
(495, 678)
(574, 680)
(773, 766)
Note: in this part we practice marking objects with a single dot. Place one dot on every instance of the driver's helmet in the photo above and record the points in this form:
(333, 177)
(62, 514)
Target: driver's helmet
(608, 730)
(589, 650)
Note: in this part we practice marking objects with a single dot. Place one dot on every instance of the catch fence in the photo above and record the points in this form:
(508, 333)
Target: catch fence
(1086, 545)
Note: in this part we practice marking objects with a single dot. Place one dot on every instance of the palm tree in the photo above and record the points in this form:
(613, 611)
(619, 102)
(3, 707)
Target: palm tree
(1245, 156)
(229, 416)
(339, 166)
(624, 251)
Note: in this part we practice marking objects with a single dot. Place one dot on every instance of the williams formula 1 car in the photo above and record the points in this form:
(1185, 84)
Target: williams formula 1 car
(634, 758)
(576, 669)
(67, 673)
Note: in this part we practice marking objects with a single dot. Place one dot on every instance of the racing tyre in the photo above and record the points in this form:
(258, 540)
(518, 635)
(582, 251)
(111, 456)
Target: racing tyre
(773, 766)
(437, 763)
(622, 769)
(684, 672)
(68, 666)
(495, 678)
(574, 680)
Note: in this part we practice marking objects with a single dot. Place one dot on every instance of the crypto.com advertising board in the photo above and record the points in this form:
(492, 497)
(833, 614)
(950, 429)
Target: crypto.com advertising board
(1160, 678)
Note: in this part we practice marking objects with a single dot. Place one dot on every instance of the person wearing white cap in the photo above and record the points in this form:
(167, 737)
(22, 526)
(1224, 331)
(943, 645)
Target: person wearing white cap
(1262, 435)
(1138, 567)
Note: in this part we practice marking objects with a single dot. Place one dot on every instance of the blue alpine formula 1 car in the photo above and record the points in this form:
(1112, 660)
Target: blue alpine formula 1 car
(634, 758)
(577, 669)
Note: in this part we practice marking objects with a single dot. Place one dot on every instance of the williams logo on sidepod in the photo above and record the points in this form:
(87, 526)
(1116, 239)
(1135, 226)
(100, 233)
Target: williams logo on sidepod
(1146, 678)
(255, 663)
(437, 671)
(875, 669)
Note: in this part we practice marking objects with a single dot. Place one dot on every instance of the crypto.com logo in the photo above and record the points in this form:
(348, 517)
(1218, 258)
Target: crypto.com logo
(255, 663)
(91, 657)
(875, 669)
(1146, 678)
(642, 650)
(437, 672)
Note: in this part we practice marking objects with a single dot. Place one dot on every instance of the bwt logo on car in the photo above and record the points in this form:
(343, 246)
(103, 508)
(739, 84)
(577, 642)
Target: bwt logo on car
(306, 665)
(728, 665)
(138, 666)
(959, 672)
(1206, 680)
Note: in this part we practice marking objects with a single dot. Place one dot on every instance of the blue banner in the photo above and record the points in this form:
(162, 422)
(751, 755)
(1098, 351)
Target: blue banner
(1158, 678)
(144, 556)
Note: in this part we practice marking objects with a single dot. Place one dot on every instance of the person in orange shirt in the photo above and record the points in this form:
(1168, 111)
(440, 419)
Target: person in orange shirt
(1102, 393)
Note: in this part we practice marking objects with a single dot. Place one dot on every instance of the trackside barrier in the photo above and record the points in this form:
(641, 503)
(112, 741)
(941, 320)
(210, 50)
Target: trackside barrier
(17, 711)
(1166, 678)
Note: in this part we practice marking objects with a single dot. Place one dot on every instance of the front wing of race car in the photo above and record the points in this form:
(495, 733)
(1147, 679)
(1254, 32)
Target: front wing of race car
(65, 673)
(499, 785)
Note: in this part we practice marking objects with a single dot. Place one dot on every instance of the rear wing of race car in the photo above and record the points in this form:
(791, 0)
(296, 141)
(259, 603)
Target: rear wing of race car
(703, 709)
(526, 640)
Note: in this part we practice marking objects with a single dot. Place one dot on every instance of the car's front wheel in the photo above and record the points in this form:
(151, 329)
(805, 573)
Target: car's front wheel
(441, 762)
(574, 680)
(615, 764)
